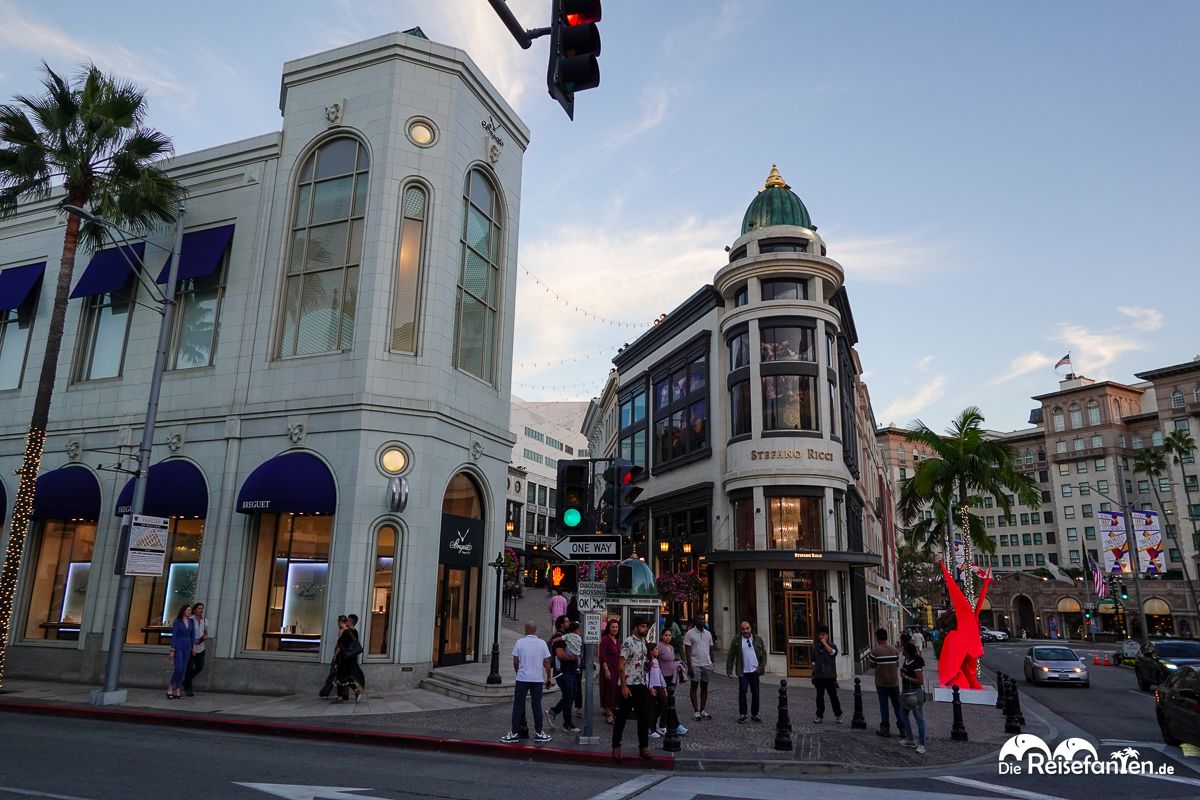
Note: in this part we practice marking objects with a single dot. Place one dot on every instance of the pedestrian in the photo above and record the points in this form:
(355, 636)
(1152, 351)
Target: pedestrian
(635, 700)
(748, 658)
(557, 605)
(918, 639)
(656, 687)
(332, 676)
(673, 674)
(356, 670)
(912, 698)
(609, 655)
(346, 676)
(183, 638)
(697, 650)
(567, 665)
(886, 661)
(672, 625)
(531, 662)
(203, 631)
(573, 608)
(824, 675)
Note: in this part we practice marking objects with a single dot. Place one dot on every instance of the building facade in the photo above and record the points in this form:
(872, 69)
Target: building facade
(345, 317)
(746, 407)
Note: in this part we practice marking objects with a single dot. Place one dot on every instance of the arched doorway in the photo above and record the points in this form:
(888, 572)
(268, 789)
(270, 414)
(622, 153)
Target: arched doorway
(1070, 616)
(1023, 617)
(1158, 616)
(460, 562)
(987, 617)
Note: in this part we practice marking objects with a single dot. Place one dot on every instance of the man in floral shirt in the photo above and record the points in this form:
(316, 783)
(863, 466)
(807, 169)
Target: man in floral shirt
(631, 683)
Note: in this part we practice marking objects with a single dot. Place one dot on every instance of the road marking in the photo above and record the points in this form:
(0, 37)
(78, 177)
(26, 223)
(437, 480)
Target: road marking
(32, 793)
(631, 788)
(1172, 779)
(294, 792)
(991, 787)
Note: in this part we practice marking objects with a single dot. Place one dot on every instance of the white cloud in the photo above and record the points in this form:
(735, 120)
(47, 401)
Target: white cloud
(1146, 319)
(1093, 351)
(905, 408)
(1024, 364)
(656, 99)
(924, 363)
(898, 259)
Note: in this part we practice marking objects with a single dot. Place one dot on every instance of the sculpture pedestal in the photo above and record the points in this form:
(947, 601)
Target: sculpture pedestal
(974, 697)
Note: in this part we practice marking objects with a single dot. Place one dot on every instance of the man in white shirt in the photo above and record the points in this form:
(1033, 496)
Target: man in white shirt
(531, 662)
(203, 633)
(697, 652)
(747, 659)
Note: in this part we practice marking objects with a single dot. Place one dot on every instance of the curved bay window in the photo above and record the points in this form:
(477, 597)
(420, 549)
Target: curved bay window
(60, 579)
(380, 614)
(478, 278)
(325, 250)
(681, 411)
(787, 354)
(789, 403)
(408, 271)
(786, 343)
(785, 289)
(290, 575)
(794, 523)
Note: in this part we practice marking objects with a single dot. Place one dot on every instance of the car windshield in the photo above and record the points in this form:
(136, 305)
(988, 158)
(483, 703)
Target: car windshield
(1178, 649)
(1055, 654)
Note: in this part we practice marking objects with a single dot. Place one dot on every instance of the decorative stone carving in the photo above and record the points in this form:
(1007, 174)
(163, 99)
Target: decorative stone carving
(334, 112)
(493, 152)
(175, 442)
(296, 432)
(476, 450)
(74, 448)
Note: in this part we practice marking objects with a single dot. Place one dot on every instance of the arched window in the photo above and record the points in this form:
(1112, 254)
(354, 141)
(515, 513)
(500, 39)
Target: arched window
(1076, 416)
(1059, 421)
(325, 250)
(1028, 456)
(380, 614)
(1041, 455)
(1177, 399)
(1116, 411)
(408, 268)
(900, 453)
(1196, 393)
(478, 278)
(463, 497)
(1093, 412)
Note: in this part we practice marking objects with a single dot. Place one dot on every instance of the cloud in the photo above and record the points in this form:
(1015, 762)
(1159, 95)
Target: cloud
(1022, 365)
(1093, 351)
(924, 363)
(656, 99)
(896, 260)
(907, 407)
(1146, 319)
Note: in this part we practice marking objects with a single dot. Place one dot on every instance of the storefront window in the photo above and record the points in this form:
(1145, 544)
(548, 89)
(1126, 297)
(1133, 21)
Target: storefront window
(743, 523)
(796, 600)
(60, 580)
(794, 523)
(785, 343)
(289, 577)
(789, 403)
(745, 598)
(156, 601)
(381, 590)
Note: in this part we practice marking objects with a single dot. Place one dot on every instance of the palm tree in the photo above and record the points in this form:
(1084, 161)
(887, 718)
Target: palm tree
(87, 138)
(1153, 464)
(967, 464)
(1181, 447)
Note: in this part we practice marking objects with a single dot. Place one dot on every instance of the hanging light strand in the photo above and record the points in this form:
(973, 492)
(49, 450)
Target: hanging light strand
(571, 359)
(568, 303)
(553, 386)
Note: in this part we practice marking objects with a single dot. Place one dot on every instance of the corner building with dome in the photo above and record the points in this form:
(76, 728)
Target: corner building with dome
(763, 476)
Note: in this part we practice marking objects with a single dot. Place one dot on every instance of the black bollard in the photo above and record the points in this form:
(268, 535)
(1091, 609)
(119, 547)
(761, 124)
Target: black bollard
(1016, 696)
(1010, 711)
(958, 731)
(999, 690)
(783, 728)
(858, 720)
(671, 743)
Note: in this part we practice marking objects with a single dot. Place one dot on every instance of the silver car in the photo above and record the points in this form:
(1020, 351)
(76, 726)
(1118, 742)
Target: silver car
(1055, 664)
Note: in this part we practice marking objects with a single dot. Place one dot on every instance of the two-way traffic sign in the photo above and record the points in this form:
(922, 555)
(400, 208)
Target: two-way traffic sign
(588, 547)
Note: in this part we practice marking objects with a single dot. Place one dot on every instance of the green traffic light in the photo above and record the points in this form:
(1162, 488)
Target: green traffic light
(572, 517)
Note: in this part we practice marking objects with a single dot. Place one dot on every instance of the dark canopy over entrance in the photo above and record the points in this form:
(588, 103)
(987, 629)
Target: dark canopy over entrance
(174, 488)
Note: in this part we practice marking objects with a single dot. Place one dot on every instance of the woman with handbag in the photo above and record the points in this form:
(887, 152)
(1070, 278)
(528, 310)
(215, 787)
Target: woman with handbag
(912, 697)
(183, 642)
(348, 675)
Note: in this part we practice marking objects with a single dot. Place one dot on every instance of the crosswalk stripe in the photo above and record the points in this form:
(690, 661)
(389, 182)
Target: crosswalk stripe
(631, 788)
(1005, 790)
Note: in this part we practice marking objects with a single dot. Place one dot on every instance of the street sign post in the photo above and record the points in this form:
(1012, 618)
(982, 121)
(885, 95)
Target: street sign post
(592, 628)
(147, 549)
(590, 597)
(578, 547)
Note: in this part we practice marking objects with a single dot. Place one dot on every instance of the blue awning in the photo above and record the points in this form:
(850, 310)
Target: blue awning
(296, 482)
(108, 270)
(67, 493)
(202, 253)
(17, 283)
(175, 488)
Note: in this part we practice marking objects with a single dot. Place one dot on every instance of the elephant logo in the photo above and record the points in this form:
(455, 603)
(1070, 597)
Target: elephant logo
(1022, 743)
(1069, 748)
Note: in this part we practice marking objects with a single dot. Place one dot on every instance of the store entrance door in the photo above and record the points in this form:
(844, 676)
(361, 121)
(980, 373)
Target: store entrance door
(454, 627)
(800, 624)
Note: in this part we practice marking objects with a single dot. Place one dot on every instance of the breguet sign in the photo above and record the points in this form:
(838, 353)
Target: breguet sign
(809, 453)
(462, 541)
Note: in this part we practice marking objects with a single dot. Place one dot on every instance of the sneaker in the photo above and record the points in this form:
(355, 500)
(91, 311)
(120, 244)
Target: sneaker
(510, 737)
(549, 716)
(682, 731)
(655, 735)
(742, 719)
(541, 736)
(756, 719)
(817, 720)
(838, 719)
(661, 731)
(920, 748)
(696, 716)
(884, 732)
(907, 743)
(706, 715)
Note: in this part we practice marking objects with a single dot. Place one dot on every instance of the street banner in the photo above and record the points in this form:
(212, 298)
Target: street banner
(1116, 545)
(1148, 537)
(147, 553)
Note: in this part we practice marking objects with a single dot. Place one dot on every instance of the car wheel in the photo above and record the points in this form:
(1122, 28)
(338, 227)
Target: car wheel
(1029, 677)
(1165, 728)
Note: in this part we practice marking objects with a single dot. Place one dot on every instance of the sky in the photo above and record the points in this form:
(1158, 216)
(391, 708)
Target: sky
(1002, 183)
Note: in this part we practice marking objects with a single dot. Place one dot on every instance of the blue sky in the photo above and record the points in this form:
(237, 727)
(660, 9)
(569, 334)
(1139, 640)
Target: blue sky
(1001, 183)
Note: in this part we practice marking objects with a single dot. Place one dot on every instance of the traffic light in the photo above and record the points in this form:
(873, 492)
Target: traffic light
(620, 479)
(574, 48)
(1087, 613)
(1124, 591)
(572, 509)
(563, 576)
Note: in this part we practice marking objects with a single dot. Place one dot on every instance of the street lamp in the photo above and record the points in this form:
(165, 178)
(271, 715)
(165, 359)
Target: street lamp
(110, 694)
(1131, 548)
(493, 677)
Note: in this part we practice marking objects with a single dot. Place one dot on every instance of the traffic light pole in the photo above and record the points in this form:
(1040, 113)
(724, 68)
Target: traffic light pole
(523, 36)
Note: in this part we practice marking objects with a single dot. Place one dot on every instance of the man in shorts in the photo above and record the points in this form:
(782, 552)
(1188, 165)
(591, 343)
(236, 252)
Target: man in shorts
(697, 650)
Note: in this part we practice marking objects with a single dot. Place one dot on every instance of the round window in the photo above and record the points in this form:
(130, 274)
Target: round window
(393, 460)
(421, 133)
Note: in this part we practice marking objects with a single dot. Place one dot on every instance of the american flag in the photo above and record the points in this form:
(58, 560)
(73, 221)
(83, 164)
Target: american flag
(1064, 360)
(1098, 585)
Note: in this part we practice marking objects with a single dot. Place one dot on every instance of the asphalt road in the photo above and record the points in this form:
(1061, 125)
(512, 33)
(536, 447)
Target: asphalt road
(1111, 708)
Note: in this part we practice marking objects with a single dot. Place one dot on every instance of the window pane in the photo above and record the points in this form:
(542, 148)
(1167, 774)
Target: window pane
(296, 262)
(476, 274)
(381, 591)
(327, 246)
(288, 583)
(639, 407)
(662, 394)
(787, 344)
(479, 230)
(349, 304)
(794, 523)
(739, 351)
(360, 196)
(14, 340)
(108, 345)
(679, 384)
(698, 425)
(404, 331)
(331, 202)
(356, 241)
(336, 158)
(414, 202)
(481, 193)
(59, 580)
(319, 312)
(197, 331)
(739, 405)
(784, 290)
(474, 336)
(662, 440)
(788, 403)
(300, 216)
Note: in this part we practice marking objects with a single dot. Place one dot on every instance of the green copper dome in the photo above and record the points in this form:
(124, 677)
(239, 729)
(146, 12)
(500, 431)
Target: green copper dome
(776, 204)
(643, 579)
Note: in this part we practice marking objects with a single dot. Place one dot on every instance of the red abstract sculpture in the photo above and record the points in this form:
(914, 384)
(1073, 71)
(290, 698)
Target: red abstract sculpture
(958, 664)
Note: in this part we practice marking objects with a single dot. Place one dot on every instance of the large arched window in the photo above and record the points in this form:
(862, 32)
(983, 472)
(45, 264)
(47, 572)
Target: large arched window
(1028, 456)
(325, 250)
(1093, 412)
(478, 278)
(1076, 416)
(1060, 422)
(1177, 399)
(408, 270)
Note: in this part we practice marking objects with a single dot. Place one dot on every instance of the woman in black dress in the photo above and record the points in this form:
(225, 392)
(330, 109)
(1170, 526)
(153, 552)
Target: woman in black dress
(349, 675)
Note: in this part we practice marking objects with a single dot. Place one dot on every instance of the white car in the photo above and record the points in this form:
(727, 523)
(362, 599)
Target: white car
(990, 635)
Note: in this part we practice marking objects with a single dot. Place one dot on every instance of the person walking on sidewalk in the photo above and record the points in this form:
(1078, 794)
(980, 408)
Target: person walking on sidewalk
(824, 674)
(332, 676)
(673, 674)
(348, 676)
(697, 650)
(183, 639)
(912, 700)
(748, 657)
(635, 699)
(609, 654)
(567, 665)
(918, 639)
(886, 660)
(557, 605)
(531, 661)
(203, 632)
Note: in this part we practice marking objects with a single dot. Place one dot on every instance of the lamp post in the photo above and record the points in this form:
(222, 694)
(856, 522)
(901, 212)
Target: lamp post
(493, 677)
(110, 694)
(1130, 548)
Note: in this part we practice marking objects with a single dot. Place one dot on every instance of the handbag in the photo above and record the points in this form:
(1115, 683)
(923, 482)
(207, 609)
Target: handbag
(911, 699)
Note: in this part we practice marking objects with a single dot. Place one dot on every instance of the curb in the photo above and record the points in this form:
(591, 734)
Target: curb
(379, 738)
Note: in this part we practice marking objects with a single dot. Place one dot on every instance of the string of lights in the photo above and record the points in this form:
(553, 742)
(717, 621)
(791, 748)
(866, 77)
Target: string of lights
(35, 446)
(595, 383)
(570, 359)
(568, 303)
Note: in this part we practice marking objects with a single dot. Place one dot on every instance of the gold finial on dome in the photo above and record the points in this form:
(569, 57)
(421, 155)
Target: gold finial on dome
(775, 180)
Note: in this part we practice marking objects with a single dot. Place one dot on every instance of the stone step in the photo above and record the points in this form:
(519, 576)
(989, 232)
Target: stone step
(471, 692)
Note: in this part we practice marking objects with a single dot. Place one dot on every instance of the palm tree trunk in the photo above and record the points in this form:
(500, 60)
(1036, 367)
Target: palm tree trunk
(1187, 577)
(35, 440)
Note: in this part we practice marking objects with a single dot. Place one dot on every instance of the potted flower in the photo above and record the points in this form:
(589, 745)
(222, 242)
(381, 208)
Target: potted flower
(680, 587)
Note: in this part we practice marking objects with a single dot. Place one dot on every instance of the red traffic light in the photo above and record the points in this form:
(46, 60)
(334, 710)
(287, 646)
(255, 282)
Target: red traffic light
(581, 12)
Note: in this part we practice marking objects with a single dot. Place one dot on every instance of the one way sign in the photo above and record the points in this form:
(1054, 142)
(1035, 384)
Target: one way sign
(588, 547)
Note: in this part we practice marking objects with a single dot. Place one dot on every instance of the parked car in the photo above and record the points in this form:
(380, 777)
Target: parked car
(1157, 660)
(1177, 706)
(992, 635)
(1055, 664)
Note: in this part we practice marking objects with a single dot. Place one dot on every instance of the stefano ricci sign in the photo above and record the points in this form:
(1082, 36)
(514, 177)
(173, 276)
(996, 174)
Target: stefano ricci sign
(809, 453)
(1027, 754)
